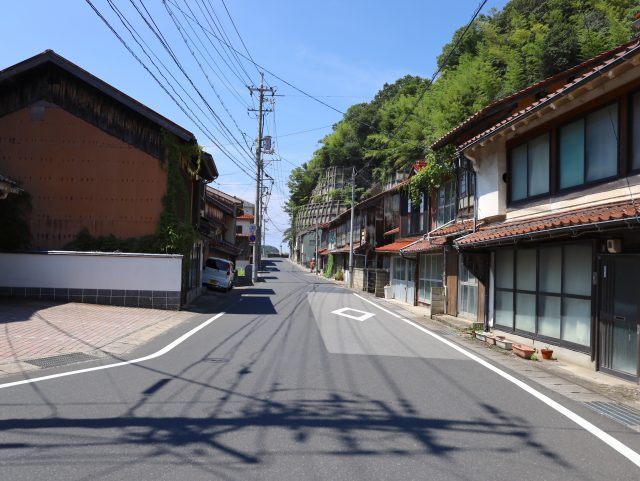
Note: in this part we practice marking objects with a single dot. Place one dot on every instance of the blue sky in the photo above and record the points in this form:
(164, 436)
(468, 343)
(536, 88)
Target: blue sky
(340, 51)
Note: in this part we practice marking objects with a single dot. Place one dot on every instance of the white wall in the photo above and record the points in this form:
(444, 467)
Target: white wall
(490, 165)
(84, 270)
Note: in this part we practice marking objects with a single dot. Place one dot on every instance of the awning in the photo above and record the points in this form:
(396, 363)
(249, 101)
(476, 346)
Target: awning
(323, 252)
(425, 245)
(395, 247)
(345, 249)
(607, 215)
(393, 231)
(457, 228)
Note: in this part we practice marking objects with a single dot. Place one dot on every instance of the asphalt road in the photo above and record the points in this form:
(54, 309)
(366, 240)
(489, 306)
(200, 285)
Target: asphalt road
(282, 387)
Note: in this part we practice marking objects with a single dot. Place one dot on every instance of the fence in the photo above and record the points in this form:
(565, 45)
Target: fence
(134, 280)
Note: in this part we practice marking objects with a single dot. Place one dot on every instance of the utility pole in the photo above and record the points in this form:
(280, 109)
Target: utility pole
(258, 220)
(317, 260)
(353, 203)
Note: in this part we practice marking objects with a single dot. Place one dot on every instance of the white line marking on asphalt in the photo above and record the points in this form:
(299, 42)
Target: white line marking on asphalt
(379, 307)
(623, 449)
(363, 317)
(156, 354)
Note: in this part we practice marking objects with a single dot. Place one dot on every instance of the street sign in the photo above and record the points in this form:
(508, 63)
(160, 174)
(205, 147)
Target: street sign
(252, 238)
(252, 228)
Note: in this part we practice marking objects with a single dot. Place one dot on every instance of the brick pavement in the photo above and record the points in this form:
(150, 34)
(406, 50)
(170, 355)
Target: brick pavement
(37, 329)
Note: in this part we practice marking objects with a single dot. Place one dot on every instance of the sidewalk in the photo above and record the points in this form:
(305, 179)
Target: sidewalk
(34, 332)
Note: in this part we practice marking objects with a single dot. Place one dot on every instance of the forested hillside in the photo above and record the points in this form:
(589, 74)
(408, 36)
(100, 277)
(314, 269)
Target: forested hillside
(501, 52)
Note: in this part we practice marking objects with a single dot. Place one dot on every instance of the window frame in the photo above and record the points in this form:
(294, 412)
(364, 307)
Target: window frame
(623, 97)
(629, 125)
(583, 117)
(472, 284)
(429, 278)
(510, 149)
(451, 204)
(538, 293)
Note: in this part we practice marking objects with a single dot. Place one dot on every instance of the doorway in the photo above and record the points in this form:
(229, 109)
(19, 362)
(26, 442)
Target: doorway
(619, 315)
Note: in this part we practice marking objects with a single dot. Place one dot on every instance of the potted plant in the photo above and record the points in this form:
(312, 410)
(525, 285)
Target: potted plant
(546, 353)
(523, 351)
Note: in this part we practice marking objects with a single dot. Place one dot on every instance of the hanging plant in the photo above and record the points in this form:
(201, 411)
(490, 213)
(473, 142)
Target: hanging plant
(429, 178)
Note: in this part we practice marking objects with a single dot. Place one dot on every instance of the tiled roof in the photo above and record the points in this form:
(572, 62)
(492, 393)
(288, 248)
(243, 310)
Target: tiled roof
(619, 212)
(425, 245)
(595, 72)
(452, 229)
(395, 247)
(245, 217)
(323, 252)
(393, 231)
(529, 90)
(345, 248)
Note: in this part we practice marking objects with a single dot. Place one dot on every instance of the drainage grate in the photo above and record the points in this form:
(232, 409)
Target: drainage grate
(61, 360)
(618, 412)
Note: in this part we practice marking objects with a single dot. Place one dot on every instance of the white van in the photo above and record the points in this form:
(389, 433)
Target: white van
(218, 273)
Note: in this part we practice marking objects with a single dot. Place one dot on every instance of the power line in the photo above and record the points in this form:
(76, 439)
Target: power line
(441, 66)
(240, 36)
(224, 34)
(306, 94)
(162, 86)
(244, 135)
(234, 70)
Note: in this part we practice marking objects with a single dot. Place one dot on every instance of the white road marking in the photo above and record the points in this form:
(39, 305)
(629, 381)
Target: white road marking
(621, 448)
(156, 354)
(364, 315)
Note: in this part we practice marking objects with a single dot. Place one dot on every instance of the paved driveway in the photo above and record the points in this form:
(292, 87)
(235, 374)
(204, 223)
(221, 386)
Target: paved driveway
(37, 329)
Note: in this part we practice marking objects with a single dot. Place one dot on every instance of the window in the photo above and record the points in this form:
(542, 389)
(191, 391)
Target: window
(545, 291)
(391, 212)
(530, 168)
(430, 275)
(446, 203)
(589, 148)
(635, 133)
(465, 185)
(238, 229)
(416, 216)
(467, 291)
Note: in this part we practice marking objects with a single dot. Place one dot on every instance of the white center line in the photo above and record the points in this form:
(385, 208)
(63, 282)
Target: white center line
(156, 354)
(621, 448)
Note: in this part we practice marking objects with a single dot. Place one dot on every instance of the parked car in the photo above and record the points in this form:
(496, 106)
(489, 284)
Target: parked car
(218, 274)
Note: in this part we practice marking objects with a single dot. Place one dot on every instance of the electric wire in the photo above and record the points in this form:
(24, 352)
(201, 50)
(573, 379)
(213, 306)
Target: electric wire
(157, 80)
(129, 27)
(226, 36)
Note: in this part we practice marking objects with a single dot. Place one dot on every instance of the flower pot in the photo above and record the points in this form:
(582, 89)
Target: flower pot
(546, 353)
(504, 344)
(523, 351)
(480, 336)
(489, 339)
